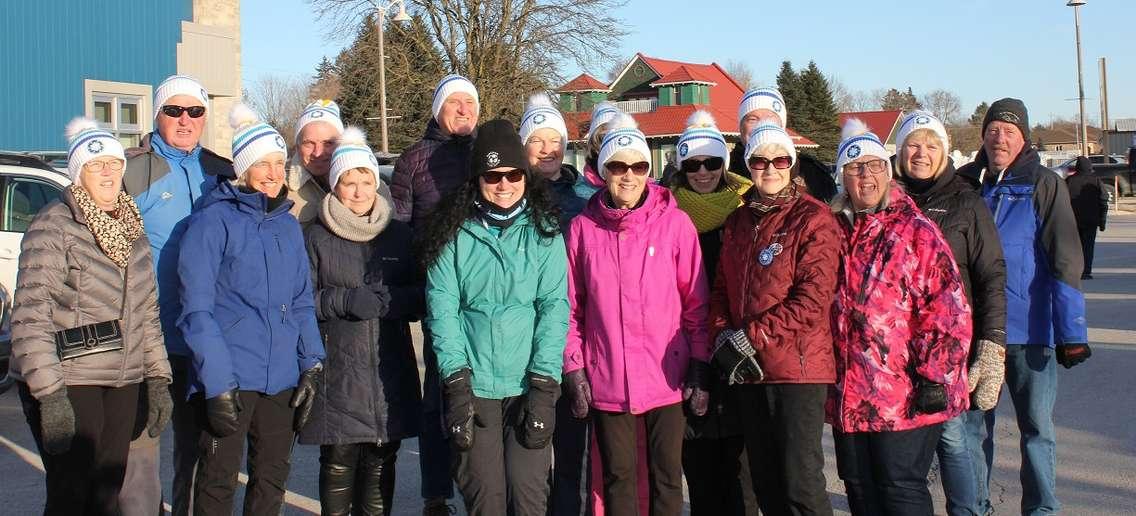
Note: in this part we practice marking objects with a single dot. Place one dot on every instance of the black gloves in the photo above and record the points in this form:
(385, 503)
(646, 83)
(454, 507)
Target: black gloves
(159, 404)
(305, 395)
(734, 357)
(1070, 355)
(581, 393)
(223, 413)
(458, 392)
(930, 397)
(56, 421)
(364, 303)
(696, 389)
(539, 418)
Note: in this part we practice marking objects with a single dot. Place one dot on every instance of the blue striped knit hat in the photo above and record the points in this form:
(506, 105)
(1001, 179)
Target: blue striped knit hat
(352, 153)
(322, 110)
(252, 139)
(87, 141)
(540, 113)
(763, 98)
(702, 138)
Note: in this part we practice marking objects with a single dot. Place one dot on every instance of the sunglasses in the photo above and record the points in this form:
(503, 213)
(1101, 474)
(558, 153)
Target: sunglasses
(173, 111)
(492, 178)
(691, 166)
(760, 163)
(618, 168)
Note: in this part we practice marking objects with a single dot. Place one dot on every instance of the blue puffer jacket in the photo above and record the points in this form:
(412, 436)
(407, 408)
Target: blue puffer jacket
(168, 185)
(428, 171)
(571, 192)
(246, 294)
(1044, 302)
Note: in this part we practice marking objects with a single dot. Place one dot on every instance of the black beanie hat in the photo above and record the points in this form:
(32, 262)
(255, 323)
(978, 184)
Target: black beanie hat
(497, 145)
(1011, 111)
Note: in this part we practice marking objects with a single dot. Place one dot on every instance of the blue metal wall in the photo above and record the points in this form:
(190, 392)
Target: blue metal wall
(48, 47)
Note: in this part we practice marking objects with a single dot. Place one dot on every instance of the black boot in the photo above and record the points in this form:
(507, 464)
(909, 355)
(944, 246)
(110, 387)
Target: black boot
(376, 479)
(337, 478)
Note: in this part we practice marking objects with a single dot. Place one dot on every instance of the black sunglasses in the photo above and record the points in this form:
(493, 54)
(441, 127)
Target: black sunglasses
(691, 166)
(492, 178)
(617, 168)
(173, 111)
(780, 162)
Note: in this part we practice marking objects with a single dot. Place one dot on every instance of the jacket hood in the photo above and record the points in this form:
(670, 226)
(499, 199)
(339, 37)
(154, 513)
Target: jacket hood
(941, 182)
(251, 204)
(658, 202)
(1084, 166)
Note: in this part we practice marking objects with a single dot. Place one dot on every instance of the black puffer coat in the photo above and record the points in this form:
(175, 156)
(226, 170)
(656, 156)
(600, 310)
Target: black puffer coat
(1087, 196)
(371, 390)
(428, 171)
(968, 226)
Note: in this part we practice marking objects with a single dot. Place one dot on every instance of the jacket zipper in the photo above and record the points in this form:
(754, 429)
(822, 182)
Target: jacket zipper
(373, 345)
(268, 297)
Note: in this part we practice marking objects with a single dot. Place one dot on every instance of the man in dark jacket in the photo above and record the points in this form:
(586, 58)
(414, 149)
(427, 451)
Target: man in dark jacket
(1044, 304)
(1090, 207)
(168, 177)
(426, 172)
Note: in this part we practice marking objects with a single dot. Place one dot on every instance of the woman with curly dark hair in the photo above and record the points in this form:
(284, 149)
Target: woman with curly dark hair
(497, 298)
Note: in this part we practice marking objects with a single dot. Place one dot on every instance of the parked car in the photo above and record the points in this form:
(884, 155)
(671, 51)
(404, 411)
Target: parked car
(5, 338)
(1106, 168)
(386, 165)
(26, 185)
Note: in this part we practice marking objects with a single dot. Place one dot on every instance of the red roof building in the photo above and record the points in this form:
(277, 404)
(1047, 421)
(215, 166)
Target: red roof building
(660, 94)
(882, 123)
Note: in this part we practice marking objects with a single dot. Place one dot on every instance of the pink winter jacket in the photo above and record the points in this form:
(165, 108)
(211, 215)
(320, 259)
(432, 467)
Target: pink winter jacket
(639, 301)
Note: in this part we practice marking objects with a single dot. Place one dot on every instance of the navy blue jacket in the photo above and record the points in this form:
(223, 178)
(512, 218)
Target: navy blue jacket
(1044, 302)
(571, 193)
(246, 295)
(428, 171)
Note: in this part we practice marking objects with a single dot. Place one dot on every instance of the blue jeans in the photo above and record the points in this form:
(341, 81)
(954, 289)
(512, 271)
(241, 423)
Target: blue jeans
(957, 468)
(1031, 380)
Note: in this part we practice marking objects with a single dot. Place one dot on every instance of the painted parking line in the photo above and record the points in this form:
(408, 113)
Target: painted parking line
(296, 500)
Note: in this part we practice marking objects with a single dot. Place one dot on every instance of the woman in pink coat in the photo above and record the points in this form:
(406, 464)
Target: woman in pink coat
(637, 341)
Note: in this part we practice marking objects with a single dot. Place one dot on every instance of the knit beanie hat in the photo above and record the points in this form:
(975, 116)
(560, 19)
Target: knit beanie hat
(450, 85)
(917, 120)
(497, 145)
(322, 110)
(352, 153)
(768, 132)
(1011, 111)
(540, 113)
(702, 138)
(763, 98)
(252, 139)
(856, 141)
(602, 113)
(86, 142)
(624, 134)
(179, 85)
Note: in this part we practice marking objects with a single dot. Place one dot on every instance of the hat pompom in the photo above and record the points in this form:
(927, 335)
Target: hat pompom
(540, 99)
(353, 136)
(853, 127)
(78, 125)
(701, 118)
(623, 121)
(241, 116)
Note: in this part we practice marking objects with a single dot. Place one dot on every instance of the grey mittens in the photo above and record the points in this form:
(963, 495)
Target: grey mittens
(57, 422)
(160, 406)
(985, 377)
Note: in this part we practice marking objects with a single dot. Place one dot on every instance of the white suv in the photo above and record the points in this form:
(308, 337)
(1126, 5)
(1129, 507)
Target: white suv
(26, 185)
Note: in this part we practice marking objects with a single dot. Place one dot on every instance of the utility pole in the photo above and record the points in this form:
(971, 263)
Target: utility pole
(382, 8)
(1076, 5)
(1105, 127)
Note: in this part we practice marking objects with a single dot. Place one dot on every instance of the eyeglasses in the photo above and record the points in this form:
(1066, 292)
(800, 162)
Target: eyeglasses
(492, 178)
(97, 166)
(876, 166)
(618, 168)
(173, 111)
(691, 166)
(760, 163)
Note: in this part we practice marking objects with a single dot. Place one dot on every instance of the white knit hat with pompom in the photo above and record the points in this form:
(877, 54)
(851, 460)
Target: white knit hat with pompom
(87, 141)
(856, 140)
(624, 134)
(541, 113)
(252, 139)
(352, 153)
(702, 138)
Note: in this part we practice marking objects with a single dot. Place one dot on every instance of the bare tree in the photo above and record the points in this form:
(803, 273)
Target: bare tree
(616, 67)
(848, 101)
(509, 48)
(741, 72)
(945, 105)
(279, 99)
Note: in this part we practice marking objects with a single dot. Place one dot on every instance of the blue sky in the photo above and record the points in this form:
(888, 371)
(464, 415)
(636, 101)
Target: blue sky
(978, 49)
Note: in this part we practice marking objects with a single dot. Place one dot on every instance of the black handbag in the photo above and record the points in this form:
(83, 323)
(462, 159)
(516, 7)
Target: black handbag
(91, 339)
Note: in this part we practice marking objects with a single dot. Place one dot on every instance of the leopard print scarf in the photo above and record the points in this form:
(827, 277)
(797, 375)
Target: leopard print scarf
(115, 236)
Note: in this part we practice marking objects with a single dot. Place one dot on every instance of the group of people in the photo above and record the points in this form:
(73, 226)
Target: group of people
(591, 336)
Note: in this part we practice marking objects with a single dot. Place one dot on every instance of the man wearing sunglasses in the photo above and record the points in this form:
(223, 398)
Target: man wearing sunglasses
(168, 176)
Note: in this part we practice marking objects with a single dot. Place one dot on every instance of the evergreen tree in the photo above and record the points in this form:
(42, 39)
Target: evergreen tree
(789, 84)
(979, 114)
(900, 100)
(818, 113)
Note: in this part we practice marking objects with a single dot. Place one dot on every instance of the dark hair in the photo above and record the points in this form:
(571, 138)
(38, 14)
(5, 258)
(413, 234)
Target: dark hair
(454, 209)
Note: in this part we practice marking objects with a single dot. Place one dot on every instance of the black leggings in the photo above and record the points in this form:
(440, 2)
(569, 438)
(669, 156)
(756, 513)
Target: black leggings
(87, 478)
(357, 478)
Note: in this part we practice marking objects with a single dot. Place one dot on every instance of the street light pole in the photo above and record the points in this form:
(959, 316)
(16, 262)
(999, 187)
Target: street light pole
(1084, 132)
(400, 17)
